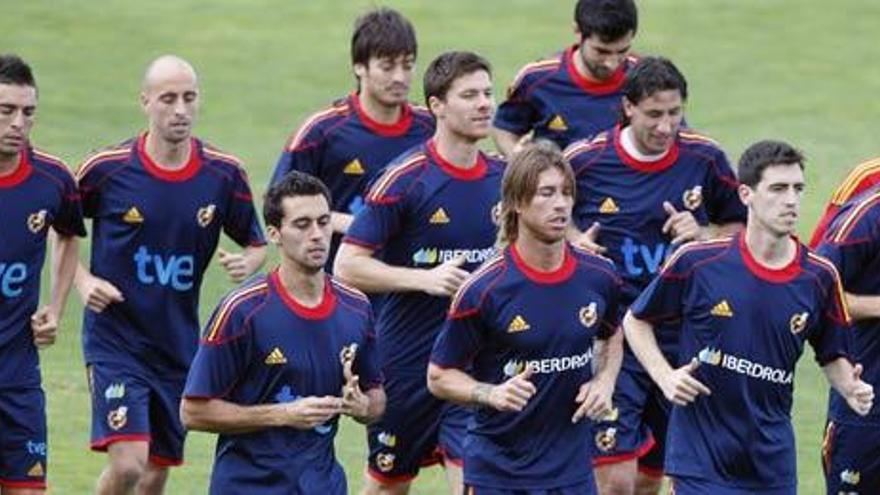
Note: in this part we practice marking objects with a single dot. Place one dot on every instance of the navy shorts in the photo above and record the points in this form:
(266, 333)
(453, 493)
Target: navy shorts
(851, 458)
(694, 486)
(588, 488)
(636, 428)
(130, 406)
(23, 437)
(416, 430)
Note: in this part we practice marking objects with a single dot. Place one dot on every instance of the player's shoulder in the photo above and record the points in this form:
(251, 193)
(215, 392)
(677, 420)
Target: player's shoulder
(536, 71)
(591, 261)
(863, 176)
(319, 122)
(696, 252)
(106, 159)
(820, 266)
(350, 295)
(478, 285)
(234, 309)
(421, 114)
(693, 139)
(588, 147)
(218, 158)
(861, 210)
(51, 165)
(399, 175)
(496, 162)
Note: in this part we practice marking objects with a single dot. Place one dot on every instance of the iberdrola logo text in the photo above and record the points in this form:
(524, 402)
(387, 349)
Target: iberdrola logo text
(549, 365)
(742, 366)
(435, 256)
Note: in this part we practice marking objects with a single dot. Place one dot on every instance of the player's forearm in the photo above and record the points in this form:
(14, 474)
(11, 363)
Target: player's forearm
(640, 336)
(839, 374)
(376, 408)
(863, 307)
(65, 251)
(505, 141)
(454, 385)
(609, 357)
(359, 268)
(254, 257)
(220, 416)
(340, 221)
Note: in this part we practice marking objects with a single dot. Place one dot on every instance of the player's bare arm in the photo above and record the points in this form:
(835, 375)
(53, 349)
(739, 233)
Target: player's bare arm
(846, 378)
(862, 307)
(44, 322)
(594, 396)
(505, 141)
(365, 407)
(357, 266)
(240, 266)
(457, 386)
(341, 221)
(221, 416)
(95, 292)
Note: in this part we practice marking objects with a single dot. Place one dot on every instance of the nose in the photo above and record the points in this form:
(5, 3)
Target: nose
(665, 125)
(612, 62)
(180, 107)
(19, 119)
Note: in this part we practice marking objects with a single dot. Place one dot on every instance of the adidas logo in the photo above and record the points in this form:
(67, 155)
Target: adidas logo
(276, 357)
(36, 471)
(722, 309)
(557, 124)
(354, 167)
(439, 217)
(133, 216)
(518, 324)
(608, 206)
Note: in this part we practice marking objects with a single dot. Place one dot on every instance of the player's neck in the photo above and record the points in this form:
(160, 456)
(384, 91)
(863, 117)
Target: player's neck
(768, 249)
(581, 67)
(379, 112)
(459, 151)
(165, 154)
(540, 255)
(9, 163)
(632, 147)
(307, 288)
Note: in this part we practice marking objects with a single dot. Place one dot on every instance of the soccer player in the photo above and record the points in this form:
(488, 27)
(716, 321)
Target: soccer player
(851, 451)
(431, 215)
(645, 188)
(575, 94)
(349, 143)
(518, 341)
(863, 177)
(37, 192)
(158, 204)
(747, 305)
(282, 357)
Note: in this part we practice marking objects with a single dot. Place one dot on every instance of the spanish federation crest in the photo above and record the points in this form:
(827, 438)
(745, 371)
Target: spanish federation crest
(385, 462)
(588, 315)
(606, 439)
(205, 215)
(692, 198)
(798, 322)
(37, 221)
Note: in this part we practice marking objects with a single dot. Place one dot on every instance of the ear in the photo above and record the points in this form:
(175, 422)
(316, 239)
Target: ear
(745, 194)
(273, 234)
(629, 108)
(145, 100)
(436, 106)
(360, 70)
(577, 32)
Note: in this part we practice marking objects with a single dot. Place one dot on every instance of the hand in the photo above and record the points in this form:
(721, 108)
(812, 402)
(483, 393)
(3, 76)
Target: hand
(681, 388)
(594, 398)
(44, 325)
(512, 395)
(355, 403)
(681, 225)
(97, 293)
(309, 412)
(235, 264)
(860, 396)
(443, 280)
(588, 239)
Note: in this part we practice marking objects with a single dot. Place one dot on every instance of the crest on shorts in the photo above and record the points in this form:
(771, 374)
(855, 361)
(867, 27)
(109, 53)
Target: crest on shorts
(606, 439)
(385, 462)
(36, 221)
(348, 352)
(692, 198)
(205, 215)
(798, 322)
(117, 418)
(588, 315)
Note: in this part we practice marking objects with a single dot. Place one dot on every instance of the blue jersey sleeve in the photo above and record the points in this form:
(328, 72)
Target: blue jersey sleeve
(366, 363)
(851, 243)
(384, 211)
(242, 224)
(722, 198)
(662, 300)
(516, 114)
(69, 218)
(90, 193)
(305, 157)
(611, 319)
(463, 331)
(832, 338)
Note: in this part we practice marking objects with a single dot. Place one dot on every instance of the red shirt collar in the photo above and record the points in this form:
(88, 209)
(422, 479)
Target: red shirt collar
(319, 312)
(775, 275)
(644, 166)
(559, 275)
(186, 172)
(398, 128)
(598, 88)
(21, 173)
(476, 172)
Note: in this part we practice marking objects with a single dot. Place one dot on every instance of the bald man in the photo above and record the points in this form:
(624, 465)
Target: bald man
(158, 203)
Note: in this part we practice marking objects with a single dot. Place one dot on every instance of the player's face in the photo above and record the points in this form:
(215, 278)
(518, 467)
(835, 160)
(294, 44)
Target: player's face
(655, 120)
(386, 80)
(304, 235)
(171, 103)
(775, 202)
(548, 213)
(18, 106)
(603, 58)
(469, 106)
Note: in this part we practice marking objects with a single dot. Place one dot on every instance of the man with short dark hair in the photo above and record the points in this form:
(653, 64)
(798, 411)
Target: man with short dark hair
(350, 143)
(747, 304)
(37, 192)
(431, 216)
(282, 357)
(576, 94)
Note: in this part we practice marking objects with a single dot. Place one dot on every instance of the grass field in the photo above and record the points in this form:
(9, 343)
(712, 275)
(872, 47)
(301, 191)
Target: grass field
(791, 69)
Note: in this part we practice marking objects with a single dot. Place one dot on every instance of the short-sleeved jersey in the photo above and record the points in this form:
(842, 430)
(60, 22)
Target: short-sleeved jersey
(746, 325)
(40, 193)
(865, 176)
(626, 195)
(347, 149)
(153, 233)
(853, 245)
(421, 212)
(500, 322)
(261, 346)
(553, 99)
